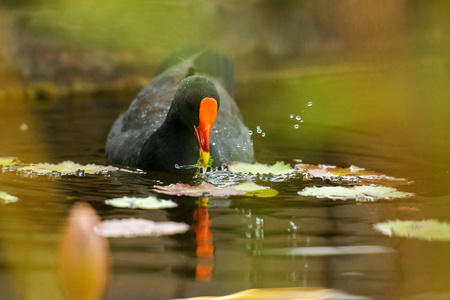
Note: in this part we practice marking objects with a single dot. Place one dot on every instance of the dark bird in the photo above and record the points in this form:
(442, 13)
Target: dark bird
(184, 117)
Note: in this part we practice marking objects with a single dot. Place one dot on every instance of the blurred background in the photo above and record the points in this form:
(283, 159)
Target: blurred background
(89, 46)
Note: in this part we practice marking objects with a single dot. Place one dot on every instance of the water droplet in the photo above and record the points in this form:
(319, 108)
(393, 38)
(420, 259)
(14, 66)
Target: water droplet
(291, 116)
(296, 126)
(263, 134)
(259, 130)
(258, 127)
(239, 146)
(298, 118)
(310, 103)
(250, 132)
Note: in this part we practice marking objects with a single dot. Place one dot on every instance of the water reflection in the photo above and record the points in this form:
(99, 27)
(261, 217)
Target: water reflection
(205, 241)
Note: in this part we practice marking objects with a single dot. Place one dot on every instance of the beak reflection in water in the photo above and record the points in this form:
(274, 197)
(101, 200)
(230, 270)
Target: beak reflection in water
(204, 240)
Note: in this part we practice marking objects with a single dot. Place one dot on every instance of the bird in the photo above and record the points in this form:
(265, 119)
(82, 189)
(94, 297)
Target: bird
(185, 120)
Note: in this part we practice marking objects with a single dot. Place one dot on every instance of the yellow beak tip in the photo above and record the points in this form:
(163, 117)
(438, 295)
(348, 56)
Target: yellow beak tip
(205, 158)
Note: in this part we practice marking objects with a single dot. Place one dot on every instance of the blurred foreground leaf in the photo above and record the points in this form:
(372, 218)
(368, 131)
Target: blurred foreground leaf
(84, 256)
(424, 230)
(138, 227)
(150, 202)
(352, 175)
(296, 293)
(257, 168)
(359, 193)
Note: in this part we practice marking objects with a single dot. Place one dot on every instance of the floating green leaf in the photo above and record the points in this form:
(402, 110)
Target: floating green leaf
(425, 230)
(134, 227)
(257, 168)
(252, 189)
(6, 198)
(65, 168)
(204, 189)
(150, 202)
(360, 193)
(352, 175)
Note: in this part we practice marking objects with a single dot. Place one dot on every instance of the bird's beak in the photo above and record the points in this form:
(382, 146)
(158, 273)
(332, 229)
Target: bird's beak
(207, 117)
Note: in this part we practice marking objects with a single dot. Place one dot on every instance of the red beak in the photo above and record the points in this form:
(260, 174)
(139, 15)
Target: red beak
(207, 117)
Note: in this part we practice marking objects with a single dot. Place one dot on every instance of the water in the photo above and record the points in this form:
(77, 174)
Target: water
(285, 241)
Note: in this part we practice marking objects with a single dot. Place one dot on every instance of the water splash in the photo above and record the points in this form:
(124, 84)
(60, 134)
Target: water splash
(185, 167)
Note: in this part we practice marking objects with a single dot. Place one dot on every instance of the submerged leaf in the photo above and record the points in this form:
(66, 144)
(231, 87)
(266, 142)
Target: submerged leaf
(139, 227)
(352, 175)
(290, 293)
(252, 189)
(150, 202)
(257, 168)
(181, 189)
(424, 230)
(66, 168)
(360, 193)
(6, 198)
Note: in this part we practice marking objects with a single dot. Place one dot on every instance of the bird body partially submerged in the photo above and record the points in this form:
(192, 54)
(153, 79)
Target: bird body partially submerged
(172, 121)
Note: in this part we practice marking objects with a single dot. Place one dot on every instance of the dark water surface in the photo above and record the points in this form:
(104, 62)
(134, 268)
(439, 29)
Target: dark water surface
(382, 120)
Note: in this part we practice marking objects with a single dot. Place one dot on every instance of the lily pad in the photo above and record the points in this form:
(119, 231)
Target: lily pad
(252, 189)
(257, 168)
(65, 168)
(6, 198)
(150, 202)
(134, 227)
(205, 188)
(359, 193)
(424, 230)
(352, 175)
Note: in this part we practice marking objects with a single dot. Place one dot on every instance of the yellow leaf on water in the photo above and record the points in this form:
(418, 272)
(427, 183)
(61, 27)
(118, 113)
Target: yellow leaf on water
(252, 189)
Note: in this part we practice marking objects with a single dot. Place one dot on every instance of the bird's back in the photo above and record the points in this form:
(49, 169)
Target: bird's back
(148, 110)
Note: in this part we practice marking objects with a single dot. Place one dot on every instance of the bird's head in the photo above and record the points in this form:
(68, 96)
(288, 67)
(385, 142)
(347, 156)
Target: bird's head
(197, 102)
